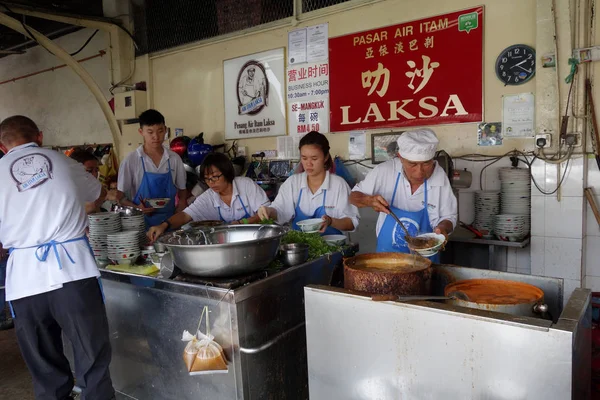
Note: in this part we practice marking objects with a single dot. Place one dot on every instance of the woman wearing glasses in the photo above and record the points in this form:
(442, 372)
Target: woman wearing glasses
(229, 199)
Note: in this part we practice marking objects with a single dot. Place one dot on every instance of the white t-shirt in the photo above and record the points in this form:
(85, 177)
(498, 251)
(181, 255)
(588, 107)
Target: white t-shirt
(245, 190)
(441, 201)
(131, 170)
(42, 198)
(337, 204)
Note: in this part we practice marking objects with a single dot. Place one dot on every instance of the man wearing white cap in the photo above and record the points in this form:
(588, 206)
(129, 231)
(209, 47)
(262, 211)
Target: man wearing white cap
(414, 187)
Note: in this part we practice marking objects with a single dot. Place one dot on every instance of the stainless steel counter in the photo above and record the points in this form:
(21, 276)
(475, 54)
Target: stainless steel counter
(260, 326)
(361, 349)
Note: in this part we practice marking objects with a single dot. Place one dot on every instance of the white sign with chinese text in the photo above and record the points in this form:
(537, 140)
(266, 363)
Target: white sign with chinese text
(518, 113)
(308, 98)
(254, 95)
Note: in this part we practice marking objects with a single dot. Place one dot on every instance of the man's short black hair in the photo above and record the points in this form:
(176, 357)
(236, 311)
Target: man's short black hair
(151, 117)
(219, 161)
(18, 127)
(82, 156)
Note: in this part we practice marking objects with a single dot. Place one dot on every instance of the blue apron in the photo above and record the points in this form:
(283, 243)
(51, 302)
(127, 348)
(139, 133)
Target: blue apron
(43, 250)
(319, 213)
(156, 186)
(246, 214)
(391, 236)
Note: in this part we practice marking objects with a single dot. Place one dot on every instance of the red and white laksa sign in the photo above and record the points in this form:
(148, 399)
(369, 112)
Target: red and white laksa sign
(425, 72)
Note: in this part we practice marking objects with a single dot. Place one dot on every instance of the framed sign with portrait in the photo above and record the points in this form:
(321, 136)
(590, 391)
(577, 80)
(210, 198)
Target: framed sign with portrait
(255, 95)
(384, 146)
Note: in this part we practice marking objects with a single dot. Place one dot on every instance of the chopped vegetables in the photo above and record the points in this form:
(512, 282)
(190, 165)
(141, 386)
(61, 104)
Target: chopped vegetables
(269, 221)
(317, 247)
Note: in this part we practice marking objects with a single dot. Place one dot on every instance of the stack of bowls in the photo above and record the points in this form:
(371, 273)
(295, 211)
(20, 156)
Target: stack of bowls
(516, 191)
(487, 205)
(511, 227)
(123, 247)
(101, 225)
(136, 223)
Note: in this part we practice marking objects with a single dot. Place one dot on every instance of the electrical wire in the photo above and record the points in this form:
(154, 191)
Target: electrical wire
(85, 44)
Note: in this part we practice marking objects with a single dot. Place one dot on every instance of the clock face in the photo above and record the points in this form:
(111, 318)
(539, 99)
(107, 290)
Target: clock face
(516, 64)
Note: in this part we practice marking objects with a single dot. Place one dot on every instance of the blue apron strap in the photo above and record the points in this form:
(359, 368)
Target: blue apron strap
(395, 188)
(246, 214)
(12, 311)
(324, 197)
(220, 215)
(299, 198)
(143, 164)
(101, 289)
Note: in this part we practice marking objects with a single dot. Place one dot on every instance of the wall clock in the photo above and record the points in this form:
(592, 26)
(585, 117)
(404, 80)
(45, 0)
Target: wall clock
(516, 64)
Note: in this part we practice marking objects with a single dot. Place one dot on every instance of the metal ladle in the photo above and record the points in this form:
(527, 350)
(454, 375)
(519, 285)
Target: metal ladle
(417, 243)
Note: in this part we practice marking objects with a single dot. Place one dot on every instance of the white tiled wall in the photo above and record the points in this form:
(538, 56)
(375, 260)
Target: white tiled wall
(592, 231)
(557, 242)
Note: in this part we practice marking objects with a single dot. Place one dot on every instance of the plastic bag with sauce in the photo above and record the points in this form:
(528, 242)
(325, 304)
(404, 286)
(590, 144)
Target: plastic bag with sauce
(203, 353)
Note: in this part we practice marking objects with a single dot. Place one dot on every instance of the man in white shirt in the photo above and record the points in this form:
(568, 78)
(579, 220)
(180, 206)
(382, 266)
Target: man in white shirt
(52, 279)
(153, 171)
(414, 187)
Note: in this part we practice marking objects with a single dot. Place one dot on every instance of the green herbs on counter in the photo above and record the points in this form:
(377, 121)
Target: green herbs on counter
(317, 246)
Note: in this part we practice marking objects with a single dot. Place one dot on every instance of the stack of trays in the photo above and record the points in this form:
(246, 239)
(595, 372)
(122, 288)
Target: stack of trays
(487, 205)
(101, 225)
(124, 247)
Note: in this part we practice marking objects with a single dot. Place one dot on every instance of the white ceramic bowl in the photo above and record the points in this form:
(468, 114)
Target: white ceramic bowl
(335, 240)
(158, 203)
(431, 251)
(311, 225)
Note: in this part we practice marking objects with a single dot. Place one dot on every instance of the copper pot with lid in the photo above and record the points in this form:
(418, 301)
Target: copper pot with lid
(510, 297)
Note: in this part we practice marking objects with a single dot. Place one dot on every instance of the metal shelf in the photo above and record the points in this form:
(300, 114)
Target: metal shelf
(488, 242)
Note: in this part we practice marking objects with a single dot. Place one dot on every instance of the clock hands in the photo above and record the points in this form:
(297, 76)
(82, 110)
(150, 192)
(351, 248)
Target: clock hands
(517, 65)
(526, 70)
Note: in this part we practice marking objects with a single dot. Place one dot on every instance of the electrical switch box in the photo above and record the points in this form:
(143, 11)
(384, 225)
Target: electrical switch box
(543, 140)
(130, 104)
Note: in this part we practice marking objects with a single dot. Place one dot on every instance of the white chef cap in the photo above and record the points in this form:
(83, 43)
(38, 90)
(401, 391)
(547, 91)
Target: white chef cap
(418, 145)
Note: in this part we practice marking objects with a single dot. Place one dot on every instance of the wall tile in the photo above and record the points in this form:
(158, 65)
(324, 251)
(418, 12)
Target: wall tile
(511, 258)
(569, 286)
(573, 181)
(538, 215)
(591, 225)
(524, 260)
(592, 256)
(562, 258)
(593, 283)
(564, 218)
(538, 172)
(466, 206)
(593, 174)
(537, 251)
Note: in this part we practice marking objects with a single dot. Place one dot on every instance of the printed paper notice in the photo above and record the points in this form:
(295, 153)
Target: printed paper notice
(297, 46)
(357, 145)
(317, 45)
(308, 98)
(518, 113)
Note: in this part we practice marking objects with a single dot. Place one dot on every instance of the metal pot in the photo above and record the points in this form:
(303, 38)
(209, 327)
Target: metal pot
(293, 254)
(509, 297)
(388, 273)
(231, 250)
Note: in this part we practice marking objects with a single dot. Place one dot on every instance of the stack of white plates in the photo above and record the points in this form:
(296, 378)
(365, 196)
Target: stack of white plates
(124, 247)
(487, 205)
(516, 191)
(135, 223)
(102, 224)
(511, 226)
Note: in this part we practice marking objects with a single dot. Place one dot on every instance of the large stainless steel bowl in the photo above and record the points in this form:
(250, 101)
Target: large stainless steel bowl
(224, 251)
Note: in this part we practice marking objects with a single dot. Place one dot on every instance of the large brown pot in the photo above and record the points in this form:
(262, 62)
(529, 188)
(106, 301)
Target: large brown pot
(388, 273)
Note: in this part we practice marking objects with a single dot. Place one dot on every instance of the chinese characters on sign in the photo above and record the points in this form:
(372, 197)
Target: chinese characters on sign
(308, 98)
(424, 72)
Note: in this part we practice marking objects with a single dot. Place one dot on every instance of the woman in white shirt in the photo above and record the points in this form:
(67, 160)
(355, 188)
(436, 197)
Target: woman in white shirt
(228, 199)
(315, 193)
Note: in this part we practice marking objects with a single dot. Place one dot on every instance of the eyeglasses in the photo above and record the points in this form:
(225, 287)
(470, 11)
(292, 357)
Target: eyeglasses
(213, 179)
